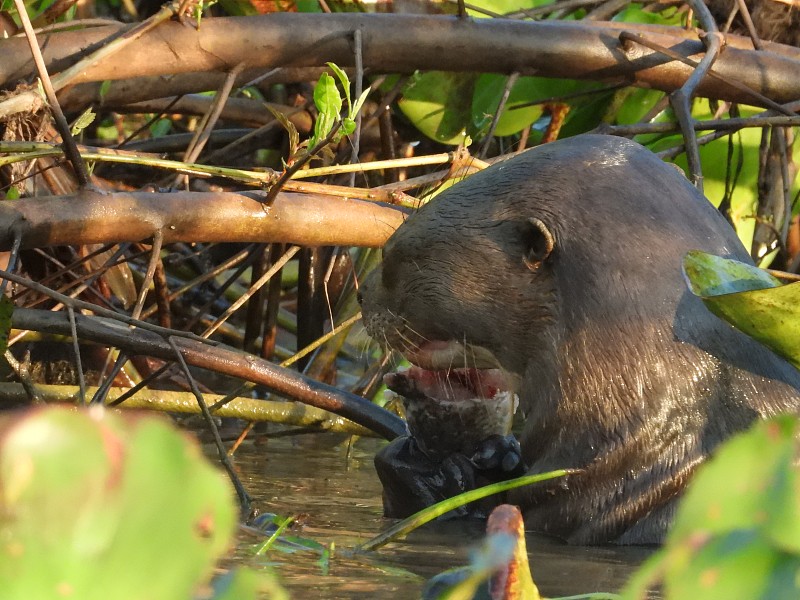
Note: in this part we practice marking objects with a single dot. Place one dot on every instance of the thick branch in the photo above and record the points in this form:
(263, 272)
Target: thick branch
(221, 360)
(93, 218)
(404, 43)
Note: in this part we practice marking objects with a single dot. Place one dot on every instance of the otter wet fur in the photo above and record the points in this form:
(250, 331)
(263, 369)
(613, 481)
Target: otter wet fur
(562, 266)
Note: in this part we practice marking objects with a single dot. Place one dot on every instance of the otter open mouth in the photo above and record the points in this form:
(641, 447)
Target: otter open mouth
(451, 409)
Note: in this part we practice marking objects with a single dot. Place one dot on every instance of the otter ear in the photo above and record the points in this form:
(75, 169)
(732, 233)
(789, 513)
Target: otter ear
(539, 244)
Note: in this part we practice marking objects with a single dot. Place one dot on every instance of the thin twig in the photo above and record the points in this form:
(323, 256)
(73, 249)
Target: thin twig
(759, 98)
(69, 144)
(99, 310)
(244, 498)
(359, 81)
(77, 351)
(252, 290)
(297, 165)
(510, 82)
(210, 119)
(748, 22)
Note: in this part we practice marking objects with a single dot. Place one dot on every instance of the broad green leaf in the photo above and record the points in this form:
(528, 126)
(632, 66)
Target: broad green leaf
(708, 275)
(439, 104)
(635, 13)
(737, 564)
(488, 92)
(737, 530)
(106, 506)
(741, 295)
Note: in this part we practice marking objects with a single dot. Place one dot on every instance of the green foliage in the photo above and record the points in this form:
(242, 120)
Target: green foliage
(85, 119)
(101, 505)
(737, 532)
(750, 299)
(329, 102)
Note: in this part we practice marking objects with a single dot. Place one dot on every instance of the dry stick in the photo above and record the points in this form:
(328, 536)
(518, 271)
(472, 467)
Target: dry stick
(252, 290)
(155, 255)
(751, 29)
(244, 498)
(225, 150)
(21, 371)
(12, 259)
(228, 264)
(359, 88)
(70, 147)
(681, 98)
(627, 36)
(510, 82)
(297, 165)
(729, 125)
(209, 120)
(671, 153)
(77, 352)
(220, 359)
(122, 358)
(161, 289)
(291, 360)
(66, 76)
(99, 310)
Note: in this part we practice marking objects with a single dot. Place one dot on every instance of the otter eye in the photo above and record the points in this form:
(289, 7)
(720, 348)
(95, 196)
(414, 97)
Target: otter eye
(539, 243)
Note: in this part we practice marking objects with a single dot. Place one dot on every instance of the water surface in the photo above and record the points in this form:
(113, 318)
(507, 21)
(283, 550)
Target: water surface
(340, 498)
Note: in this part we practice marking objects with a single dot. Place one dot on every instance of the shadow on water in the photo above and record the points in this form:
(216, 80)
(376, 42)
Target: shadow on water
(340, 500)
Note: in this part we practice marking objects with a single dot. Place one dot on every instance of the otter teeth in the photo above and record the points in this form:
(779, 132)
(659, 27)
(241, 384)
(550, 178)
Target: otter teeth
(446, 355)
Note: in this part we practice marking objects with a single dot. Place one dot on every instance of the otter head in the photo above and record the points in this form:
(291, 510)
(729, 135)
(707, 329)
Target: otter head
(467, 282)
(554, 265)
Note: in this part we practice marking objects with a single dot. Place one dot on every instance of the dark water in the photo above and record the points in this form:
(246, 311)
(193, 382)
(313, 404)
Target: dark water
(339, 496)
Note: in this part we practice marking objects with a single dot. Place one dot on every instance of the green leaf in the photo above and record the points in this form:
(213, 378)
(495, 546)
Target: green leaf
(708, 275)
(327, 98)
(105, 87)
(359, 103)
(345, 81)
(737, 530)
(439, 104)
(750, 299)
(82, 122)
(348, 126)
(107, 505)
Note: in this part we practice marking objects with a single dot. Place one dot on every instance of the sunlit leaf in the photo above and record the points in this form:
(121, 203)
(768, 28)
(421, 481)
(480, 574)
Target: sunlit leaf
(439, 104)
(106, 506)
(327, 98)
(737, 531)
(750, 299)
(344, 80)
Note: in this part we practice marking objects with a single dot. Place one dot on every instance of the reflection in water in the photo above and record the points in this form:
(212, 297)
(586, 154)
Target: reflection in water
(340, 497)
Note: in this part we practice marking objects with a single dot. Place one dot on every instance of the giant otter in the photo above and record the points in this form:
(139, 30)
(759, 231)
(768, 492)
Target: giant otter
(562, 266)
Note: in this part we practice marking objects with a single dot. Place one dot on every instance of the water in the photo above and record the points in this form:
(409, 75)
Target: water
(339, 497)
